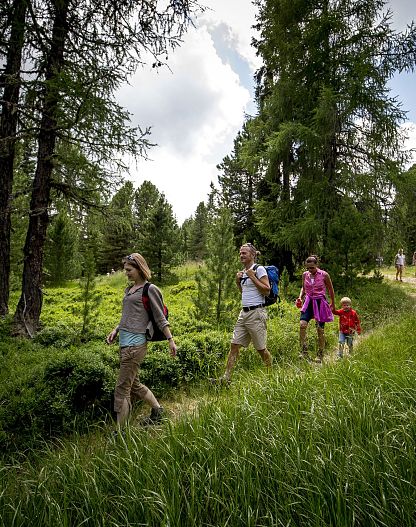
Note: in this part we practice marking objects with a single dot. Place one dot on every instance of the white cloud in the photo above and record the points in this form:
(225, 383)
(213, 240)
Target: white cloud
(240, 17)
(403, 11)
(410, 143)
(195, 111)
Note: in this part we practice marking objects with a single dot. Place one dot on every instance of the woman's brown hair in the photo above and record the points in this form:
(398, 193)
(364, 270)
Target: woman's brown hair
(137, 261)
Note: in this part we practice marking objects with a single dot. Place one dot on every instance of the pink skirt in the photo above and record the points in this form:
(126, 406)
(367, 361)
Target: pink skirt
(321, 310)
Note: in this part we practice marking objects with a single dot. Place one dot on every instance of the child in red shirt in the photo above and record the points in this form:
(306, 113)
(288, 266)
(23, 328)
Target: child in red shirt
(349, 324)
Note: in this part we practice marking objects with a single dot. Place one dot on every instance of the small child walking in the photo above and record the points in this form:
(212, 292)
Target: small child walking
(349, 324)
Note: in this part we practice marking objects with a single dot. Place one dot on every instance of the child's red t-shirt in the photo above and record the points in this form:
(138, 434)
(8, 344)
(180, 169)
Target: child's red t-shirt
(348, 321)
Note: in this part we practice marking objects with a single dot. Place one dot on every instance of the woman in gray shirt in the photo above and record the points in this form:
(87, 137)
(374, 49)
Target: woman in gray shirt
(132, 338)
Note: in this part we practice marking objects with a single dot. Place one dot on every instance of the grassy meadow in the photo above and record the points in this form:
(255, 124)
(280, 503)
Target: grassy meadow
(299, 445)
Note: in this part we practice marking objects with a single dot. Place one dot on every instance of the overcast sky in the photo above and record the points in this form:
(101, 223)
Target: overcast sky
(196, 109)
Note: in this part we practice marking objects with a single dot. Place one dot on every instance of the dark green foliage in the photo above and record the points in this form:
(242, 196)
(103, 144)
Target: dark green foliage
(201, 354)
(239, 180)
(402, 218)
(117, 229)
(198, 233)
(185, 238)
(145, 200)
(49, 391)
(160, 242)
(61, 257)
(160, 372)
(217, 293)
(330, 132)
(59, 335)
(353, 240)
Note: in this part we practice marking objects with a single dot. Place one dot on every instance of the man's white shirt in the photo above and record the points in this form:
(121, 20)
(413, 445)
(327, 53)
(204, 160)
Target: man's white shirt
(251, 295)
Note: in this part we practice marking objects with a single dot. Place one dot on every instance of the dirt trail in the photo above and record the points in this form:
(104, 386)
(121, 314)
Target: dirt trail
(185, 404)
(406, 279)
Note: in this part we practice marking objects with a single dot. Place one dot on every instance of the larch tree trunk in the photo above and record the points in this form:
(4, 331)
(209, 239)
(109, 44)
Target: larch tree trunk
(27, 315)
(8, 128)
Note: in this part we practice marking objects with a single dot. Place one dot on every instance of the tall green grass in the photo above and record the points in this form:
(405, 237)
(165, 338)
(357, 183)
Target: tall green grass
(331, 446)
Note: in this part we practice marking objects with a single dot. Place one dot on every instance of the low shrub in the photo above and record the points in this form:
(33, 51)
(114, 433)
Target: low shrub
(160, 372)
(60, 335)
(202, 354)
(51, 390)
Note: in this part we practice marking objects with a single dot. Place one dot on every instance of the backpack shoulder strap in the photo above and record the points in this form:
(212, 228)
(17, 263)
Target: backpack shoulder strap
(146, 298)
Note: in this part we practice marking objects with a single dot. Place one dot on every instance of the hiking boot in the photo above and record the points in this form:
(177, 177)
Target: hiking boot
(304, 354)
(339, 356)
(320, 357)
(221, 381)
(155, 417)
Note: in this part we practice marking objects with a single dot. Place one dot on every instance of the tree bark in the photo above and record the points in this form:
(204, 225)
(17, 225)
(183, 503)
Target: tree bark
(8, 129)
(27, 315)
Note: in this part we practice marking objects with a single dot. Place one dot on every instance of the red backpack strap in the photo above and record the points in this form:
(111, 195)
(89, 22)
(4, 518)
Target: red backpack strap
(145, 297)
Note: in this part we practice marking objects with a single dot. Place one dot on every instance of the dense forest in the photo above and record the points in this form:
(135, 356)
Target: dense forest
(319, 168)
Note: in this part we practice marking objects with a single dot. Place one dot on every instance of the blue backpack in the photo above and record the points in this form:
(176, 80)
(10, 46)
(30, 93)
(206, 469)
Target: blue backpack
(273, 275)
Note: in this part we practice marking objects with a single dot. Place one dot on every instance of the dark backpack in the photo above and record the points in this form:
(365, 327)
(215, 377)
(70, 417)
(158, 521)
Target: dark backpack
(156, 334)
(273, 275)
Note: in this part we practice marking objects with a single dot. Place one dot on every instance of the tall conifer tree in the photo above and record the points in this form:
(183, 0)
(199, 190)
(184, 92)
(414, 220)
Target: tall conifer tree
(216, 289)
(160, 244)
(326, 113)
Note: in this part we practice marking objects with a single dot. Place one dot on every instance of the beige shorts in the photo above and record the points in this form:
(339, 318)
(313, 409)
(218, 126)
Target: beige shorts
(251, 326)
(128, 385)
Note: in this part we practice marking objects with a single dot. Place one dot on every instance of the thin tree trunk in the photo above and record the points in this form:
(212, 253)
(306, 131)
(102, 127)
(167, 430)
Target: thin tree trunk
(8, 128)
(219, 298)
(27, 315)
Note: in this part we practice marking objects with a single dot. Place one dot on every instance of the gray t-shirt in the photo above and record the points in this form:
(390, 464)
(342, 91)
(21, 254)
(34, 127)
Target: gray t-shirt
(134, 317)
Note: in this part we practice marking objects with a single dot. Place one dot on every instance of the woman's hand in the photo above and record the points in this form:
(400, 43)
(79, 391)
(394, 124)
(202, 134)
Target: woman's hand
(172, 347)
(111, 336)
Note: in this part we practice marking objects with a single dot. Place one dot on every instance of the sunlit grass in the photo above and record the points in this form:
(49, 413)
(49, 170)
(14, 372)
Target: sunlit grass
(297, 446)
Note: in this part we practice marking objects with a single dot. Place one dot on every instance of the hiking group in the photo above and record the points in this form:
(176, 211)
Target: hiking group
(145, 317)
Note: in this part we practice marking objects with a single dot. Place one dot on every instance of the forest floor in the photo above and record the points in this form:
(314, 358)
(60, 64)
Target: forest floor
(408, 277)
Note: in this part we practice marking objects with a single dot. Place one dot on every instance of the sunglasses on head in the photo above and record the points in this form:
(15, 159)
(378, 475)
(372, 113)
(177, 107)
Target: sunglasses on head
(130, 258)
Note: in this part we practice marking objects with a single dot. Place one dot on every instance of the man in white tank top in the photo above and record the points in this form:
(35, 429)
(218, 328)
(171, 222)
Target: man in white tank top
(251, 325)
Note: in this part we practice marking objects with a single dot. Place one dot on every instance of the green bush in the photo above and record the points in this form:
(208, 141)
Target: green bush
(202, 354)
(160, 372)
(59, 335)
(48, 391)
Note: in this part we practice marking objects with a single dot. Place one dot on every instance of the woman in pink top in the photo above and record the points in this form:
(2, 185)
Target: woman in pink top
(315, 284)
